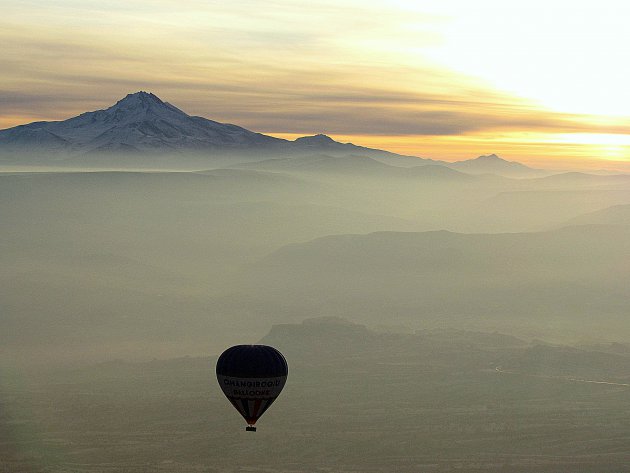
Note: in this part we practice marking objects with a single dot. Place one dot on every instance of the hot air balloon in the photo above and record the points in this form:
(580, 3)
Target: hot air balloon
(251, 377)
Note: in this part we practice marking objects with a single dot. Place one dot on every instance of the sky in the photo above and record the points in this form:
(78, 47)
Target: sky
(541, 82)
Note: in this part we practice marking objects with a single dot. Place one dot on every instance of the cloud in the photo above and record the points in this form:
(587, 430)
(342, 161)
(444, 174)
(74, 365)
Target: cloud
(347, 68)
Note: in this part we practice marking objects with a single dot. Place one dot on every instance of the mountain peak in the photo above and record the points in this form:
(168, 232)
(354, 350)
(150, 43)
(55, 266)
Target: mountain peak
(489, 158)
(318, 139)
(493, 164)
(139, 107)
(140, 97)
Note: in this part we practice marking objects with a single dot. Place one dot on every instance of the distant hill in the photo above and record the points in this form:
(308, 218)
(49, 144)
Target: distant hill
(614, 215)
(571, 180)
(327, 339)
(355, 166)
(492, 164)
(574, 276)
(428, 252)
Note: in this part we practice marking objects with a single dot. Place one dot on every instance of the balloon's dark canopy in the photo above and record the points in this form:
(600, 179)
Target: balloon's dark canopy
(252, 361)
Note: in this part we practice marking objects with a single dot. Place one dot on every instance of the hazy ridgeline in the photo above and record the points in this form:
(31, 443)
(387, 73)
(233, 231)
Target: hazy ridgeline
(127, 265)
(113, 264)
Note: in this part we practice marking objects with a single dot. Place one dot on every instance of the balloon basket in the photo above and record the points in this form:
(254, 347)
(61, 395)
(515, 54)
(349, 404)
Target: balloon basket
(250, 428)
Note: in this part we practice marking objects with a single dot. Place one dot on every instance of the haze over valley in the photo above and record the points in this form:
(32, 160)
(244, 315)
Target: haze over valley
(462, 313)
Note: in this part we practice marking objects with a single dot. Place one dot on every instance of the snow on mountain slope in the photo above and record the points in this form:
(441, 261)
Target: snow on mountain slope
(138, 122)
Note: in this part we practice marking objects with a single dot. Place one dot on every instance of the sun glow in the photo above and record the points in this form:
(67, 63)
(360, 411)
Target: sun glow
(569, 56)
(604, 146)
(593, 139)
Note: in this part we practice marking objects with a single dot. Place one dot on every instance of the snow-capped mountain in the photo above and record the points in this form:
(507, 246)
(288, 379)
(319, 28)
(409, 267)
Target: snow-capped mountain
(138, 122)
(141, 123)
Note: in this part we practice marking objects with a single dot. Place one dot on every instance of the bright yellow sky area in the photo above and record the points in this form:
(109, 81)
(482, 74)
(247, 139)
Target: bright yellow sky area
(541, 82)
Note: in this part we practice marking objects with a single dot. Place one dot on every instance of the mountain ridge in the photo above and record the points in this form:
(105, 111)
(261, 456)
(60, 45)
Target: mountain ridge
(143, 124)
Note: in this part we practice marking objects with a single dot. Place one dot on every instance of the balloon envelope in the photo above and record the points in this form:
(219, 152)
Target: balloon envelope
(251, 377)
